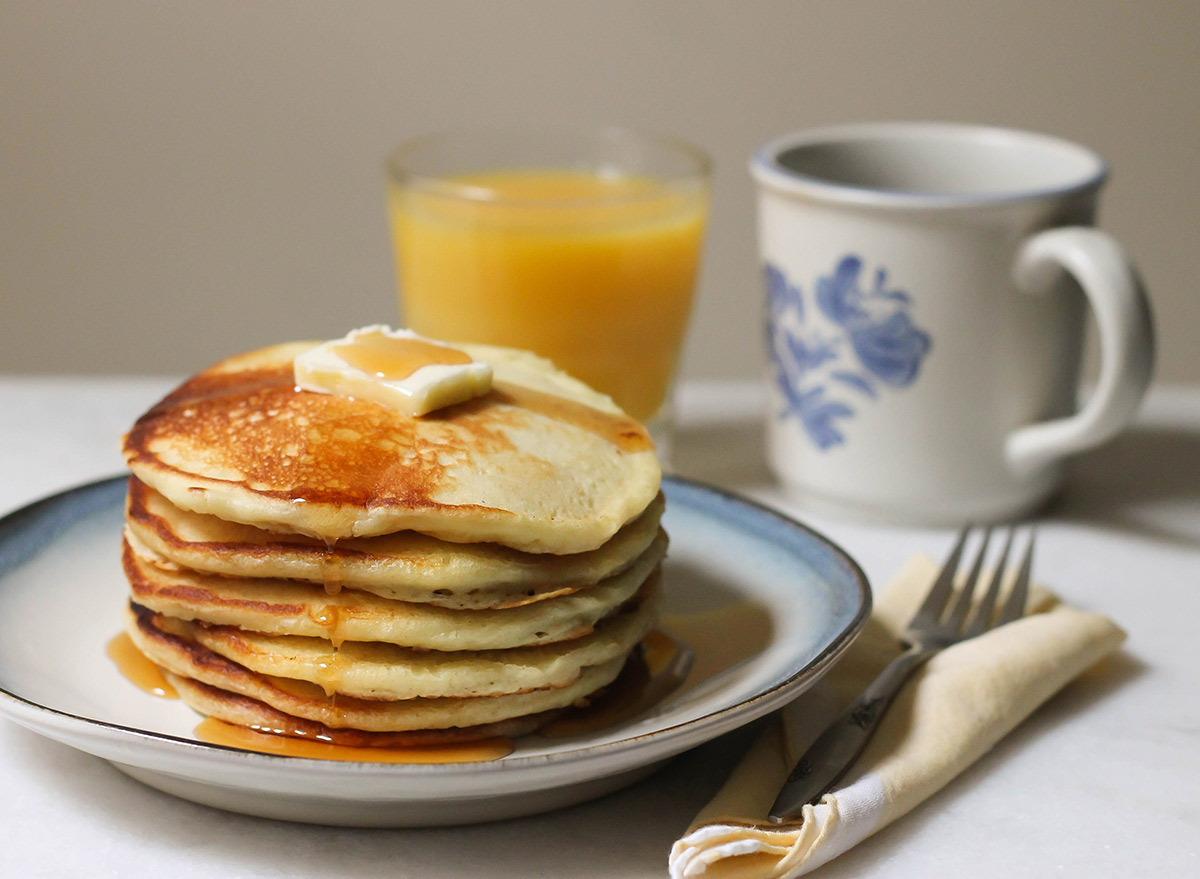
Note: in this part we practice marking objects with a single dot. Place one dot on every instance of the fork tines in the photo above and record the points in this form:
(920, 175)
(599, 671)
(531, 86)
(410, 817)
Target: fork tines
(948, 609)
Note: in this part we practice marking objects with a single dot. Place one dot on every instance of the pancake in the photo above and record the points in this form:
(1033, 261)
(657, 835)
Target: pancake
(244, 711)
(284, 607)
(542, 463)
(326, 566)
(406, 566)
(386, 671)
(308, 701)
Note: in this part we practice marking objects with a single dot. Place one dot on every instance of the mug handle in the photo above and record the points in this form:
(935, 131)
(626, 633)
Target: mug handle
(1126, 334)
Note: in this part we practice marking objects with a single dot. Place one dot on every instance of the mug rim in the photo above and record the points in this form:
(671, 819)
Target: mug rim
(768, 171)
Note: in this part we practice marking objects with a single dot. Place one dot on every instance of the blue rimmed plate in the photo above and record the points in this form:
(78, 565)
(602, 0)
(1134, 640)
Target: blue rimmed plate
(785, 600)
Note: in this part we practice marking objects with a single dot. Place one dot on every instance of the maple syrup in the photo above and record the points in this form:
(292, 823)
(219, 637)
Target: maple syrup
(698, 647)
(329, 672)
(332, 572)
(137, 669)
(395, 359)
(294, 744)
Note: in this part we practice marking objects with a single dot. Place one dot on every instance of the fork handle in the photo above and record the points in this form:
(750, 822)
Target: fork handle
(836, 749)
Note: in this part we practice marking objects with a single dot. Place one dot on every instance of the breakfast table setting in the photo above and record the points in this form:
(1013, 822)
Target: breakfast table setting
(922, 601)
(1097, 782)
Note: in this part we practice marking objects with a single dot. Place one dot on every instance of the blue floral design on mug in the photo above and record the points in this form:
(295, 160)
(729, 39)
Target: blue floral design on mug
(874, 346)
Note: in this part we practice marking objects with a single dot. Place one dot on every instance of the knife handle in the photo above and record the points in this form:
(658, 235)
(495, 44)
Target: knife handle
(836, 749)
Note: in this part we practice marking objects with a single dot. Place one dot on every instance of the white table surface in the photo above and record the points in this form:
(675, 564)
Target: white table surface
(1103, 781)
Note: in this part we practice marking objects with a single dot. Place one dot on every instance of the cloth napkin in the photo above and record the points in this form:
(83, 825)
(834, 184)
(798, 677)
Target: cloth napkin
(952, 710)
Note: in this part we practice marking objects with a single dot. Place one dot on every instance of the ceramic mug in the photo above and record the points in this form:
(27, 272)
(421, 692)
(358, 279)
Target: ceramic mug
(927, 294)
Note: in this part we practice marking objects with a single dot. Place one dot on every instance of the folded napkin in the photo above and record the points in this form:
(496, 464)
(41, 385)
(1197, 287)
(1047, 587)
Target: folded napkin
(952, 710)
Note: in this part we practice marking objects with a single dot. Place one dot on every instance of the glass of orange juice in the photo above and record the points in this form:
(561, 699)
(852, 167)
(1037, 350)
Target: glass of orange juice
(582, 246)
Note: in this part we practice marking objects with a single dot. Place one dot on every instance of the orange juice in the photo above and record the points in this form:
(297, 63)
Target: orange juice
(594, 272)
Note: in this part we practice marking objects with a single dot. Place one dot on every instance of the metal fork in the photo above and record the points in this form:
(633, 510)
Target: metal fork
(942, 620)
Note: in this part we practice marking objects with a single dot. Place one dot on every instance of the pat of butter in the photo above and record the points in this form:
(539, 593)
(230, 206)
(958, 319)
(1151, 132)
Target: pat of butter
(396, 368)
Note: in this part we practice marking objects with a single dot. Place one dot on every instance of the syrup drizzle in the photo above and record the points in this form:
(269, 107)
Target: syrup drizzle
(332, 572)
(328, 672)
(137, 669)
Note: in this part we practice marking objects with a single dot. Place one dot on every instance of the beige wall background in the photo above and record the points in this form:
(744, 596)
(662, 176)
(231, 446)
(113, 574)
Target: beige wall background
(184, 180)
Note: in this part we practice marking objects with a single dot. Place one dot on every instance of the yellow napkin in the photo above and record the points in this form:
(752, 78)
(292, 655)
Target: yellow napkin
(950, 712)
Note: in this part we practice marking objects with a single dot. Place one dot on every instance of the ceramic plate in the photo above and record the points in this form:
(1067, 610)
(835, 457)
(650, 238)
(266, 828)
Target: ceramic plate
(766, 604)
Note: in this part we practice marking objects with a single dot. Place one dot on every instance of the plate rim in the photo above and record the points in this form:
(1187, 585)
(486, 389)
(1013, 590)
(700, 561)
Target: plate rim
(664, 742)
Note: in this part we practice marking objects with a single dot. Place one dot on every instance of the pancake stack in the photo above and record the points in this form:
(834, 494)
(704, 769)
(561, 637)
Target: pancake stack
(328, 567)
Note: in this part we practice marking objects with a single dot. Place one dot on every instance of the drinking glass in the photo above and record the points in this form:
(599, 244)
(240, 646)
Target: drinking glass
(580, 245)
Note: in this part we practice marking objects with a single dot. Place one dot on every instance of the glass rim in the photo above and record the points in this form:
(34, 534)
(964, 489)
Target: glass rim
(698, 170)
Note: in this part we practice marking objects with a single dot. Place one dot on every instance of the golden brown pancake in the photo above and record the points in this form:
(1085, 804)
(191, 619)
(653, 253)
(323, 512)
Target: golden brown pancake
(285, 607)
(387, 671)
(244, 711)
(541, 464)
(185, 658)
(406, 566)
(321, 565)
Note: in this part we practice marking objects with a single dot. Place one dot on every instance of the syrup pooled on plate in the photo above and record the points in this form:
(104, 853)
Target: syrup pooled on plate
(217, 732)
(137, 669)
(147, 676)
(703, 645)
(656, 670)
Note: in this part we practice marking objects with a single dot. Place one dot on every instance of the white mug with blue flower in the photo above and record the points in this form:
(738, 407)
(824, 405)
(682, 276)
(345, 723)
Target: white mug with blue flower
(927, 287)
